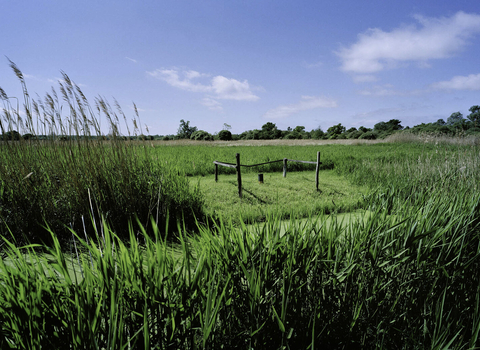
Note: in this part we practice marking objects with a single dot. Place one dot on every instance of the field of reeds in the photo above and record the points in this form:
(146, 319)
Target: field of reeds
(105, 245)
(70, 178)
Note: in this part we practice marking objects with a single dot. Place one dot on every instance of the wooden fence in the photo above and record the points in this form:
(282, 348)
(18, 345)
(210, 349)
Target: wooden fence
(238, 166)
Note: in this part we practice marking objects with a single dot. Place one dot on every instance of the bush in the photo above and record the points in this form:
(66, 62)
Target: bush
(355, 134)
(369, 135)
(201, 135)
(225, 135)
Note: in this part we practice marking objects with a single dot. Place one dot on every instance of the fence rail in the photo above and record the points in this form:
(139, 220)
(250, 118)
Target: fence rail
(238, 166)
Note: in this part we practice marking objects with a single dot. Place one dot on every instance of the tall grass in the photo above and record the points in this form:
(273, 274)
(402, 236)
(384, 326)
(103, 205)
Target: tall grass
(439, 170)
(384, 282)
(66, 172)
(407, 276)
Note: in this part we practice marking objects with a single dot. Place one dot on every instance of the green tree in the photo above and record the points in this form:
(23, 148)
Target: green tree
(455, 118)
(335, 130)
(317, 133)
(185, 131)
(225, 135)
(270, 131)
(12, 135)
(364, 129)
(474, 116)
(391, 125)
(201, 135)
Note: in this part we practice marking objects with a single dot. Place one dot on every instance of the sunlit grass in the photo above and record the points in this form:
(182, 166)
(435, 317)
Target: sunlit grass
(340, 282)
(292, 196)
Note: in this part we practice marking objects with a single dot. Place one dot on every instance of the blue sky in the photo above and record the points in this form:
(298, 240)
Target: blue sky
(244, 63)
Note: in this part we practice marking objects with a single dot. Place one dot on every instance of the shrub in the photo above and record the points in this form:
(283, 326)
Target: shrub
(225, 135)
(369, 135)
(355, 134)
(201, 135)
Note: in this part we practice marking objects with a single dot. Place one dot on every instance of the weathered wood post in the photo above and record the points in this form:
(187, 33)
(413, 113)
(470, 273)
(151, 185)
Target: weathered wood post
(284, 167)
(317, 170)
(239, 175)
(216, 172)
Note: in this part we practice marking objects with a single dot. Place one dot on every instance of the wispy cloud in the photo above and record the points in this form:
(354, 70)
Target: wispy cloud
(131, 59)
(435, 38)
(216, 88)
(212, 104)
(306, 103)
(389, 90)
(172, 77)
(364, 78)
(470, 82)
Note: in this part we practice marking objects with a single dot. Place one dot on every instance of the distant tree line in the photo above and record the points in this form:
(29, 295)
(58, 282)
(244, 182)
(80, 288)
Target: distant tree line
(455, 124)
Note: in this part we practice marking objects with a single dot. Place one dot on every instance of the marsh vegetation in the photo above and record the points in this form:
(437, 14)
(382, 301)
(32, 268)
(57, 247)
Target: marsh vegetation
(127, 244)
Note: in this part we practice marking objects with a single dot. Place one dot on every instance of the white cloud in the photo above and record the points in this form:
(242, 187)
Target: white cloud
(212, 104)
(218, 88)
(131, 59)
(231, 89)
(470, 82)
(306, 103)
(380, 90)
(171, 76)
(389, 90)
(436, 38)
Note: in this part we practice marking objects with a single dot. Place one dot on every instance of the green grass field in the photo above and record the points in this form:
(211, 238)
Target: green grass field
(293, 196)
(386, 253)
(132, 245)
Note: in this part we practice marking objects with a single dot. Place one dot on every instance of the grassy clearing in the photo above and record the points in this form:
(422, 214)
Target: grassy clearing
(294, 196)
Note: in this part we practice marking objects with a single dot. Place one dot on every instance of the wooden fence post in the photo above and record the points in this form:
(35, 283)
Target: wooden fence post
(239, 175)
(317, 170)
(284, 167)
(216, 172)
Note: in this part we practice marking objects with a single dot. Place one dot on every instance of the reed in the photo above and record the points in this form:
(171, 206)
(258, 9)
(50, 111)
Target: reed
(66, 171)
(384, 282)
(406, 275)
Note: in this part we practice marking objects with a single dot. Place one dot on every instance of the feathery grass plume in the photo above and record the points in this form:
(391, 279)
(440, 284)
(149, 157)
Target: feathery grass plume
(68, 154)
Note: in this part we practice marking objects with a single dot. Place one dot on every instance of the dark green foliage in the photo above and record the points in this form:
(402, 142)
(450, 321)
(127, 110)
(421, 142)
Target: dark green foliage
(384, 129)
(335, 130)
(354, 134)
(269, 132)
(317, 133)
(185, 131)
(454, 118)
(225, 135)
(369, 135)
(11, 135)
(474, 116)
(364, 129)
(201, 135)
